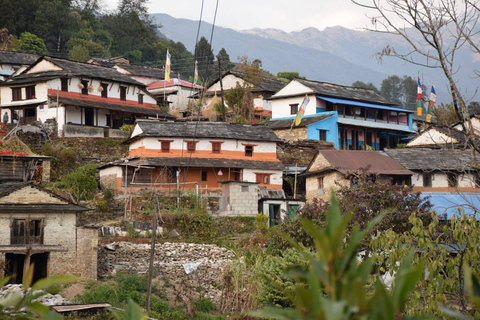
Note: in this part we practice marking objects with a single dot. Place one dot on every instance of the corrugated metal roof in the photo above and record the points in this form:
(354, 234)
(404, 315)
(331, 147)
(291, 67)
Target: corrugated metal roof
(348, 160)
(448, 205)
(362, 104)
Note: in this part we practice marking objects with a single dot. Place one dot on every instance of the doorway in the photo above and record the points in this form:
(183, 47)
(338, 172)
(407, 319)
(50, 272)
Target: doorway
(273, 214)
(15, 265)
(89, 121)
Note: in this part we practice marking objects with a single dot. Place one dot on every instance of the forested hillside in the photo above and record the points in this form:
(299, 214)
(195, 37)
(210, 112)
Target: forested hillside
(79, 29)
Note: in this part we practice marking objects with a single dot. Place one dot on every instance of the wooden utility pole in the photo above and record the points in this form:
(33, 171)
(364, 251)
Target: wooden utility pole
(219, 58)
(152, 254)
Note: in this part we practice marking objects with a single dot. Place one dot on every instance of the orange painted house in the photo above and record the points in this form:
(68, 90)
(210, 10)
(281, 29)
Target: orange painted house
(171, 155)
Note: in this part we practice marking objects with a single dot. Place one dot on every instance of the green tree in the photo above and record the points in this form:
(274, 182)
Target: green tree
(204, 55)
(289, 75)
(30, 43)
(474, 107)
(361, 84)
(402, 91)
(225, 60)
(79, 53)
(445, 115)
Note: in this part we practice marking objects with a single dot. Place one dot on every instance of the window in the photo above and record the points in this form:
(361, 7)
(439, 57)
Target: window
(262, 178)
(64, 84)
(244, 188)
(452, 180)
(294, 108)
(248, 151)
(191, 146)
(140, 99)
(123, 93)
(165, 146)
(16, 94)
(85, 87)
(321, 187)
(105, 90)
(30, 92)
(25, 231)
(427, 180)
(203, 175)
(322, 135)
(216, 147)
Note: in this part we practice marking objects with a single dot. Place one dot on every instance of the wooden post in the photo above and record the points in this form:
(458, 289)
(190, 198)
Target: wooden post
(152, 255)
(295, 183)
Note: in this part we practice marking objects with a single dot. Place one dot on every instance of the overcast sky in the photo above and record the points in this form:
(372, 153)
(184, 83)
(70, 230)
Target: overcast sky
(285, 15)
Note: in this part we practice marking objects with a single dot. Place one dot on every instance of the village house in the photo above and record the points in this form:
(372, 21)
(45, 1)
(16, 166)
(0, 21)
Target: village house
(11, 62)
(184, 155)
(77, 99)
(438, 137)
(352, 118)
(262, 90)
(38, 226)
(331, 169)
(176, 93)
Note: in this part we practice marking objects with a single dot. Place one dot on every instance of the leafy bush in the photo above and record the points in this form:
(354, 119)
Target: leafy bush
(204, 305)
(107, 194)
(197, 224)
(261, 223)
(81, 183)
(103, 205)
(274, 285)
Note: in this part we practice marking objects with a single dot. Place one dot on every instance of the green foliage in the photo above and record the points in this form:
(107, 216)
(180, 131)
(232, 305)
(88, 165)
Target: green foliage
(30, 43)
(443, 247)
(261, 223)
(288, 76)
(274, 286)
(445, 115)
(81, 183)
(198, 224)
(225, 60)
(204, 55)
(79, 53)
(82, 49)
(335, 284)
(369, 85)
(64, 160)
(108, 194)
(402, 91)
(204, 305)
(126, 129)
(18, 303)
(103, 205)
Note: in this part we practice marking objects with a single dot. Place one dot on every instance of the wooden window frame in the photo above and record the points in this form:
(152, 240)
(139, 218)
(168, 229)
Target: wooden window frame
(85, 87)
(17, 94)
(216, 146)
(105, 90)
(203, 175)
(64, 84)
(322, 135)
(140, 98)
(249, 149)
(164, 144)
(191, 146)
(30, 92)
(294, 108)
(262, 177)
(123, 93)
(427, 177)
(31, 233)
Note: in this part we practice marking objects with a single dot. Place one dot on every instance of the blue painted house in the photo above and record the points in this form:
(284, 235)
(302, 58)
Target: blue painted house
(352, 118)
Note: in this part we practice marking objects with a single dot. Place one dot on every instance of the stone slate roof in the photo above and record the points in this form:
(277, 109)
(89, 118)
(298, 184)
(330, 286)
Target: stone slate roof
(341, 92)
(12, 57)
(287, 123)
(73, 68)
(432, 159)
(198, 130)
(193, 162)
(115, 107)
(349, 160)
(138, 70)
(267, 85)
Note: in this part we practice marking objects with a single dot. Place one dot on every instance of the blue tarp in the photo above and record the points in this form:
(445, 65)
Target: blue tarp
(362, 104)
(448, 204)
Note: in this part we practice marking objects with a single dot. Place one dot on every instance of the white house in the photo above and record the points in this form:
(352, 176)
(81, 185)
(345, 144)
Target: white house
(79, 99)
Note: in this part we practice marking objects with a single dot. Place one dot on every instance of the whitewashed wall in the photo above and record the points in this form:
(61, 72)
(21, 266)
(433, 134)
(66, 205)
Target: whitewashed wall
(281, 107)
(250, 176)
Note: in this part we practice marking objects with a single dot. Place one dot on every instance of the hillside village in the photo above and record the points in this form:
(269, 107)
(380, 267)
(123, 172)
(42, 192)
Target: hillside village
(156, 145)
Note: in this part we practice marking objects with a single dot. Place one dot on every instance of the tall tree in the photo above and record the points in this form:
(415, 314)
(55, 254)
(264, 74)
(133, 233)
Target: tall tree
(402, 91)
(361, 84)
(30, 43)
(225, 60)
(435, 32)
(204, 55)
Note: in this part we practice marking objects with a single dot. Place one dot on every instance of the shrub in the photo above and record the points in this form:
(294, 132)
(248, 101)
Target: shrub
(274, 285)
(197, 224)
(261, 225)
(204, 305)
(81, 183)
(107, 194)
(102, 205)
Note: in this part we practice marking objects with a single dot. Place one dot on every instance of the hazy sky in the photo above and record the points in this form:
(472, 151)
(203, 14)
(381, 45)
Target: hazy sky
(286, 15)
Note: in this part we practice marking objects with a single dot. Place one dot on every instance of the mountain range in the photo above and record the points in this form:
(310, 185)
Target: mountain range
(336, 55)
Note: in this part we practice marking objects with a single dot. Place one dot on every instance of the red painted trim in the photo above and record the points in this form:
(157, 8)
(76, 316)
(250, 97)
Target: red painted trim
(94, 98)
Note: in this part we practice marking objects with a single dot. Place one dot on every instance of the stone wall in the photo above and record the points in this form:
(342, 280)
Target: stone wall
(243, 199)
(330, 181)
(168, 263)
(82, 131)
(87, 253)
(292, 135)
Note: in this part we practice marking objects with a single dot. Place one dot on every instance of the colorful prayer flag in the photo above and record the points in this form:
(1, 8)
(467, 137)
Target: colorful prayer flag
(167, 67)
(301, 111)
(431, 103)
(195, 75)
(419, 98)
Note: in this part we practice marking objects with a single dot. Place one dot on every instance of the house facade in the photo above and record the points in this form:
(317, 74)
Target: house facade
(11, 62)
(37, 226)
(262, 90)
(176, 92)
(352, 118)
(184, 155)
(77, 99)
(330, 169)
